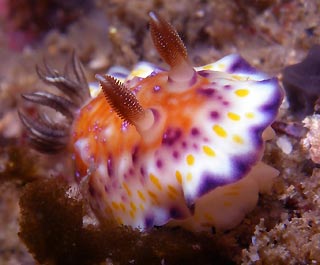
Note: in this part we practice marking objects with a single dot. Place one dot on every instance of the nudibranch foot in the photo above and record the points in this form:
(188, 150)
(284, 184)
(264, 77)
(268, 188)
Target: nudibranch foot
(44, 134)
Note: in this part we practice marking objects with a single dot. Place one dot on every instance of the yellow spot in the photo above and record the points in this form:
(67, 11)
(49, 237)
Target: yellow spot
(207, 67)
(140, 194)
(179, 177)
(242, 92)
(138, 72)
(141, 207)
(155, 181)
(189, 177)
(133, 206)
(219, 131)
(221, 66)
(131, 214)
(250, 115)
(208, 151)
(233, 116)
(123, 208)
(190, 160)
(227, 203)
(126, 188)
(237, 77)
(115, 205)
(238, 139)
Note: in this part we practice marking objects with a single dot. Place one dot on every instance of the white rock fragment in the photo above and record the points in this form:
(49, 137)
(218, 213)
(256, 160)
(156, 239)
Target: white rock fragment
(311, 142)
(284, 144)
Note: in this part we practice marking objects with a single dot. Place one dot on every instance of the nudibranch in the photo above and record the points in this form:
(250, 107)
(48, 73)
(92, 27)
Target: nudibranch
(180, 147)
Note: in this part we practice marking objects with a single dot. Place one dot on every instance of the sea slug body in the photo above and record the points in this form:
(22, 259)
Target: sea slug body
(181, 146)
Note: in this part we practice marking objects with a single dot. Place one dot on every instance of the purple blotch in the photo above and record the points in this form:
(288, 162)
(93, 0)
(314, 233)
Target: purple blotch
(110, 166)
(204, 73)
(225, 103)
(184, 144)
(227, 87)
(175, 154)
(240, 167)
(137, 89)
(159, 163)
(214, 114)
(77, 175)
(148, 222)
(195, 131)
(156, 88)
(175, 213)
(208, 92)
(240, 65)
(135, 154)
(211, 181)
(171, 136)
(142, 171)
(91, 190)
(124, 126)
(124, 198)
(193, 79)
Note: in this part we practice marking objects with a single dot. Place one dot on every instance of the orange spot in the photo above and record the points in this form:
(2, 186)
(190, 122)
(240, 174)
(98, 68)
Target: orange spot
(141, 196)
(155, 181)
(172, 189)
(132, 214)
(208, 217)
(119, 220)
(172, 192)
(179, 177)
(153, 196)
(122, 206)
(127, 189)
(227, 203)
(115, 205)
(133, 206)
(231, 193)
